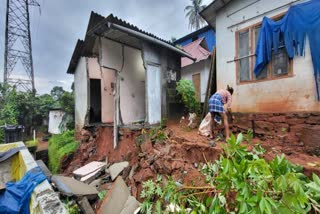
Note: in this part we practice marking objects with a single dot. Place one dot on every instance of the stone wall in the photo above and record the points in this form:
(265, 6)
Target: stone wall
(300, 128)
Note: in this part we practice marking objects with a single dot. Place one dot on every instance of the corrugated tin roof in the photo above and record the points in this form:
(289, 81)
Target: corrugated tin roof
(96, 26)
(197, 50)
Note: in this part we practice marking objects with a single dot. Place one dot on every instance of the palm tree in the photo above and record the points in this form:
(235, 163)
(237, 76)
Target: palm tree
(193, 12)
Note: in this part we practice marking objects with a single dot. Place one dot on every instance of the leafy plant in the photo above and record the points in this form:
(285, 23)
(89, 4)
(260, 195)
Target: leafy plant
(188, 94)
(102, 194)
(242, 181)
(150, 193)
(60, 146)
(157, 134)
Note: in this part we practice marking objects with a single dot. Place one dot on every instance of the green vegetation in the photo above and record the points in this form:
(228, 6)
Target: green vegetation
(193, 13)
(29, 110)
(241, 181)
(188, 95)
(71, 206)
(102, 194)
(31, 143)
(60, 146)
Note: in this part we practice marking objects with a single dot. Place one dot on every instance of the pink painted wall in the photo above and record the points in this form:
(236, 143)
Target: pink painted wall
(107, 77)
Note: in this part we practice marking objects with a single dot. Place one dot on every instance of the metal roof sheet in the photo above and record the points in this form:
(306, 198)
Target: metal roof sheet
(197, 50)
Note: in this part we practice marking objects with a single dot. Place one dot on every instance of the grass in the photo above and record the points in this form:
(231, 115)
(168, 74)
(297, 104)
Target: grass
(60, 146)
(31, 143)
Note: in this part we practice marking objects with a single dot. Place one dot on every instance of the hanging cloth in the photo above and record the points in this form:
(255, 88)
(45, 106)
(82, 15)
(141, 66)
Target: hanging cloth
(301, 21)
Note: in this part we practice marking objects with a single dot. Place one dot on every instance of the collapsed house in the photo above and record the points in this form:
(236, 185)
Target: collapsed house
(199, 45)
(282, 95)
(123, 75)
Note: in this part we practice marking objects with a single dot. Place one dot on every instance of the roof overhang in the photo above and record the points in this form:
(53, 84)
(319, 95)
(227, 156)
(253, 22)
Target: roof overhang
(210, 12)
(131, 37)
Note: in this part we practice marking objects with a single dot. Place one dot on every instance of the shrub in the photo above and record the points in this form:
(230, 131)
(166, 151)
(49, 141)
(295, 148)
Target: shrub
(241, 181)
(60, 146)
(31, 143)
(188, 95)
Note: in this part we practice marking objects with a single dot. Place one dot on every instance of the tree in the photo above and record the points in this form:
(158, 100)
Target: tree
(193, 12)
(57, 92)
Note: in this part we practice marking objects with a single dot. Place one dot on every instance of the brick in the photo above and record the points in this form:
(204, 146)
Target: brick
(311, 139)
(295, 121)
(303, 115)
(261, 116)
(298, 128)
(313, 120)
(263, 127)
(281, 127)
(277, 119)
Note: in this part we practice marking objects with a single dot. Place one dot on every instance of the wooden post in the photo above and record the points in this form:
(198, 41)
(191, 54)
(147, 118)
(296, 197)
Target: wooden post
(212, 83)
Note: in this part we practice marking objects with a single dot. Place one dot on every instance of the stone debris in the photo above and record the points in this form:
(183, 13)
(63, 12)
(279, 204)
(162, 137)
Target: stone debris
(119, 199)
(85, 206)
(117, 168)
(89, 172)
(71, 187)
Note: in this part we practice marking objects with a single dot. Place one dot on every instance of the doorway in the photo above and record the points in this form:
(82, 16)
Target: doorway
(95, 101)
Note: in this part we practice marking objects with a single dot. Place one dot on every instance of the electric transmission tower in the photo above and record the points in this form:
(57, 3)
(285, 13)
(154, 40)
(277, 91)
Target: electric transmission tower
(18, 63)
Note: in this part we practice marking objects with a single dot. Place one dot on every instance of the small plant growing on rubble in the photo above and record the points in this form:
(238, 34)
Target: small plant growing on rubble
(157, 134)
(241, 181)
(102, 194)
(188, 95)
(151, 191)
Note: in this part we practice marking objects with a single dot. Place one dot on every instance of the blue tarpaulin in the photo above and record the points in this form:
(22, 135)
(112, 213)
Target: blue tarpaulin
(301, 21)
(16, 197)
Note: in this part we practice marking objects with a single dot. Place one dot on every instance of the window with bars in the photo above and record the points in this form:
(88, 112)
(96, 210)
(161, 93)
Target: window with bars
(246, 43)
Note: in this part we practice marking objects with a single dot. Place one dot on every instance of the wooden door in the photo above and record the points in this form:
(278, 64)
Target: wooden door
(197, 85)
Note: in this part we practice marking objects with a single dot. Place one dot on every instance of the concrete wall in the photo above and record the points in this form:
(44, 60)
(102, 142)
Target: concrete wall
(128, 61)
(55, 119)
(81, 93)
(169, 64)
(296, 93)
(107, 77)
(203, 68)
(43, 198)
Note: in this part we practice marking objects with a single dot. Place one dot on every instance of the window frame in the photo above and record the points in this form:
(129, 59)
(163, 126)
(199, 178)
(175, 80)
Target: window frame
(251, 56)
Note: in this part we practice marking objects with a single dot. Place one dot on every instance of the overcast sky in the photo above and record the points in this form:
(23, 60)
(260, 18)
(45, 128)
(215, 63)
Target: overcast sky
(61, 22)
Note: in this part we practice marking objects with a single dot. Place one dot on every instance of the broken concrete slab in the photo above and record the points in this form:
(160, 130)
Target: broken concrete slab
(116, 197)
(92, 176)
(117, 168)
(71, 187)
(96, 183)
(119, 200)
(44, 169)
(130, 206)
(85, 206)
(90, 168)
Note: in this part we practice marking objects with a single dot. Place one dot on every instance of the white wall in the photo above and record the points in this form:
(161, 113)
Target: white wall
(81, 93)
(297, 93)
(55, 119)
(202, 67)
(132, 78)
